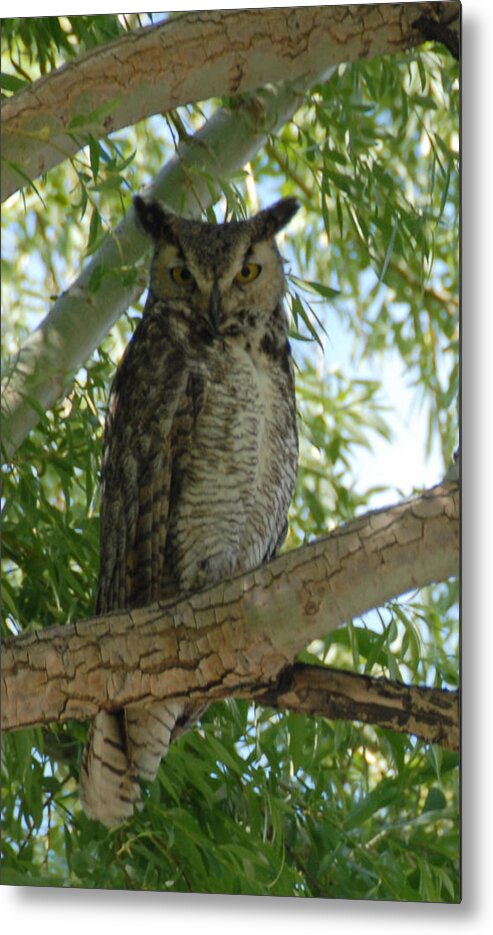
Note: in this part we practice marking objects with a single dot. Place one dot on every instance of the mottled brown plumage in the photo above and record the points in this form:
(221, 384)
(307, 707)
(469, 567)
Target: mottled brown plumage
(200, 453)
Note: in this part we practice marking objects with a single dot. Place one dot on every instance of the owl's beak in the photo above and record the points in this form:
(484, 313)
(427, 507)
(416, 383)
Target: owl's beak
(215, 310)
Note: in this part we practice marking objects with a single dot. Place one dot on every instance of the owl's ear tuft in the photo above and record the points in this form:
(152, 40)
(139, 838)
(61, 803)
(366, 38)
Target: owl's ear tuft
(270, 221)
(153, 218)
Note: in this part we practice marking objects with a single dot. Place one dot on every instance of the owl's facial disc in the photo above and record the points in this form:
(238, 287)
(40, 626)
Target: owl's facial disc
(218, 284)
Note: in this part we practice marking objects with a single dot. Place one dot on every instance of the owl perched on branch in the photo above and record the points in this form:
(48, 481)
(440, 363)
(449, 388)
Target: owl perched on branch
(200, 454)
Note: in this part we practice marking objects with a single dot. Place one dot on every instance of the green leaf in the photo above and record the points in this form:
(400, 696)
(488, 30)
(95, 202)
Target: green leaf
(435, 800)
(94, 153)
(12, 82)
(319, 287)
(421, 101)
(95, 117)
(389, 250)
(94, 229)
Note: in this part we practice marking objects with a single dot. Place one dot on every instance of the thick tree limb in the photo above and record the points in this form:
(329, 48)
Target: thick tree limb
(428, 713)
(237, 638)
(193, 58)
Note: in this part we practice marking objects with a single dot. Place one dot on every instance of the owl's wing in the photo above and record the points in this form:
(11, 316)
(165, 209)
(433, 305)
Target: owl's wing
(149, 424)
(150, 421)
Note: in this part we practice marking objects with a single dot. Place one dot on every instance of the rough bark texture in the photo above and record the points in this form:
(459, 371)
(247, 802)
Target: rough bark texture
(237, 638)
(428, 713)
(192, 58)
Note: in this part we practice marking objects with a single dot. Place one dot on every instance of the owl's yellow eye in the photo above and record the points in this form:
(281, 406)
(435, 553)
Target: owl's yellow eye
(248, 272)
(181, 275)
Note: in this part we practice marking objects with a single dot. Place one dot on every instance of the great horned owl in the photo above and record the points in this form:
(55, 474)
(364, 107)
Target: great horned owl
(200, 453)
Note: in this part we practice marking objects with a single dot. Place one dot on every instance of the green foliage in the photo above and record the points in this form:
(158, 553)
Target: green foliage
(33, 47)
(375, 157)
(252, 801)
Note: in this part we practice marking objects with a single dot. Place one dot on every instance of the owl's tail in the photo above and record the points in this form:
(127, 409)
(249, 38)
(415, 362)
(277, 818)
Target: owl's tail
(122, 748)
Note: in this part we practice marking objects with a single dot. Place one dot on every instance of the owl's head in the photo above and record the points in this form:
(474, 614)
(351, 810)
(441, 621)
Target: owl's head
(226, 278)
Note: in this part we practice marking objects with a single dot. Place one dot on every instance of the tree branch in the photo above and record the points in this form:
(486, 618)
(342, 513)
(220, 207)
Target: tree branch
(237, 638)
(193, 57)
(428, 713)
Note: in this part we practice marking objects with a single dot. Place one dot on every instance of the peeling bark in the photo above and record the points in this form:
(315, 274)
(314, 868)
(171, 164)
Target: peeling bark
(237, 638)
(193, 58)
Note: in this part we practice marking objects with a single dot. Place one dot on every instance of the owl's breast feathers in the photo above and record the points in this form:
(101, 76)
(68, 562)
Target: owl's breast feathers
(199, 463)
